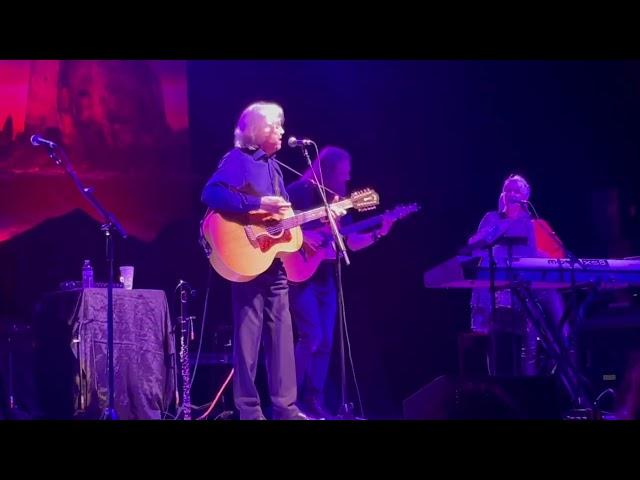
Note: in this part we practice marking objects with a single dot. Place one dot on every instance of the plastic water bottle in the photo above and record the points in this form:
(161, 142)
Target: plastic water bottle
(87, 275)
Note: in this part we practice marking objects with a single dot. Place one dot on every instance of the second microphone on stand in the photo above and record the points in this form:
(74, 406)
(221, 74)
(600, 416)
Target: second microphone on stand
(294, 142)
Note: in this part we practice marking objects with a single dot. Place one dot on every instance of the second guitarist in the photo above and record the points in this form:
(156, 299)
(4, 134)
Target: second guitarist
(314, 301)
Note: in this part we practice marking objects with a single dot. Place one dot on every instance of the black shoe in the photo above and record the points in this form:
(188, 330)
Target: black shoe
(295, 416)
(314, 409)
(257, 417)
(299, 416)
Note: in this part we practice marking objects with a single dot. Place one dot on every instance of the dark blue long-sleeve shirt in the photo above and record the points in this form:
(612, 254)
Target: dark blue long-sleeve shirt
(304, 195)
(242, 178)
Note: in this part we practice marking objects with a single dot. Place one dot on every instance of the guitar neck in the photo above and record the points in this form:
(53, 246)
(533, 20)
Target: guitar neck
(311, 215)
(362, 225)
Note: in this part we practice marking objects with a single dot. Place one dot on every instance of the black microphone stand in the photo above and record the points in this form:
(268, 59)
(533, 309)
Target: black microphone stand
(110, 224)
(342, 250)
(575, 311)
(346, 408)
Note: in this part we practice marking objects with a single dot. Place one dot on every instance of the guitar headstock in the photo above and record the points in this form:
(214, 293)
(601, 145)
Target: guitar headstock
(401, 211)
(363, 200)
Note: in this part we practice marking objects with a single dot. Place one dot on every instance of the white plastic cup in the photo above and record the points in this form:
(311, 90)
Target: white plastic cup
(126, 276)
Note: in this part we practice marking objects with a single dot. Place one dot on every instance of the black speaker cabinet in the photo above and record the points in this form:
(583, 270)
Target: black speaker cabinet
(451, 397)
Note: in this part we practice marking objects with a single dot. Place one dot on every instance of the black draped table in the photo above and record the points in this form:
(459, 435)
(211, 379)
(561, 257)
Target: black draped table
(71, 354)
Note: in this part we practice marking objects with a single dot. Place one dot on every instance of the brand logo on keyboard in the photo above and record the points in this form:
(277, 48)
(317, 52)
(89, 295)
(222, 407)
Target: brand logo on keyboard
(586, 262)
(595, 262)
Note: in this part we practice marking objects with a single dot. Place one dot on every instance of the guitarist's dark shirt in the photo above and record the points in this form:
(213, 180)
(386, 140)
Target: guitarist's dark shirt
(242, 177)
(304, 196)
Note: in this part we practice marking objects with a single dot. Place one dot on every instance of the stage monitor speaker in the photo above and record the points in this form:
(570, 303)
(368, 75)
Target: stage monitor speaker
(607, 341)
(449, 397)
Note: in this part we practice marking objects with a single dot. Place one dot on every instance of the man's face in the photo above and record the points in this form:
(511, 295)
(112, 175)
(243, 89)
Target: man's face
(343, 172)
(273, 132)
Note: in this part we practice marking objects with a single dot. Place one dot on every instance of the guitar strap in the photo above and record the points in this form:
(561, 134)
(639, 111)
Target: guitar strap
(275, 177)
(201, 239)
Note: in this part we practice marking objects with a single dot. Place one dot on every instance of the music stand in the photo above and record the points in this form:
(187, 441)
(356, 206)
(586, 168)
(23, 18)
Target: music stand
(511, 238)
(506, 233)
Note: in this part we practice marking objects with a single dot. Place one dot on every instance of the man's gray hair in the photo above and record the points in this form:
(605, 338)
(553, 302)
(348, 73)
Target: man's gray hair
(249, 132)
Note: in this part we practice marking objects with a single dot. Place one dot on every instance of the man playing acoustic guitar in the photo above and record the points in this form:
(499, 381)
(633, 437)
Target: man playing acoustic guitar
(249, 228)
(248, 179)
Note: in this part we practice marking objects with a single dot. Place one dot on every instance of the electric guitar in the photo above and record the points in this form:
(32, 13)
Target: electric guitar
(301, 265)
(241, 247)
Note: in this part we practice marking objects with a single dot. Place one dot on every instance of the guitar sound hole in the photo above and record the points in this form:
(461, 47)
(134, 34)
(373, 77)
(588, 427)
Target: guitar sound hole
(265, 242)
(273, 228)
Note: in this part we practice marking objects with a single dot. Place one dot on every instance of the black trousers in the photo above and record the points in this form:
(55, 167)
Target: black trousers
(263, 302)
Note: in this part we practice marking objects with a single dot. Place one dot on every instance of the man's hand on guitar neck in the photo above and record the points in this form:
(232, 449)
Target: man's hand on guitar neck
(336, 211)
(358, 241)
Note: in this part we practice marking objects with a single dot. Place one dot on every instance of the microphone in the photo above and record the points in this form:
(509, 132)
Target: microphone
(37, 140)
(520, 202)
(294, 142)
(503, 202)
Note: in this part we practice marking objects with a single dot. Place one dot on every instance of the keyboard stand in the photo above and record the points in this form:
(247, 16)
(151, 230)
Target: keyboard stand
(576, 385)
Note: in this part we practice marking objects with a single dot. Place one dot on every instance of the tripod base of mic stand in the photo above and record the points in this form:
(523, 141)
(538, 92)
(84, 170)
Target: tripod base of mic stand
(347, 412)
(226, 415)
(109, 414)
(16, 414)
